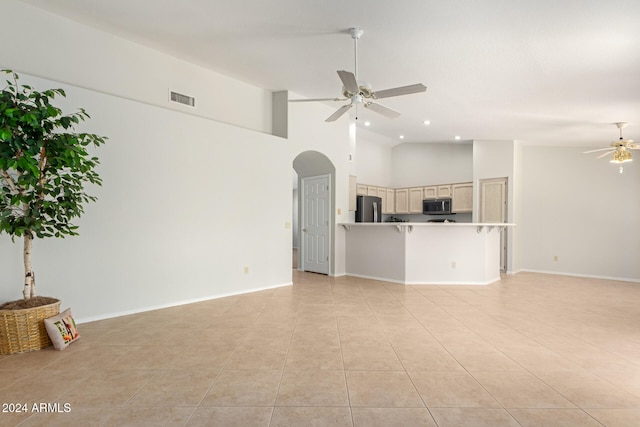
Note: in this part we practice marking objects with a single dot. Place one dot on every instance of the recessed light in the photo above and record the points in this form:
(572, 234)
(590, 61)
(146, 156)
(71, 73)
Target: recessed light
(457, 137)
(367, 123)
(401, 136)
(427, 122)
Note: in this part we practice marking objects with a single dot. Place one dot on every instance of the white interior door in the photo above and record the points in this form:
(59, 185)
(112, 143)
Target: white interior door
(315, 237)
(493, 208)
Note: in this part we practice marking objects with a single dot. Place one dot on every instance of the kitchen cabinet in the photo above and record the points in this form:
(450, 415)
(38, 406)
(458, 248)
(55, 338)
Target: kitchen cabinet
(462, 197)
(391, 201)
(386, 194)
(388, 199)
(415, 200)
(437, 191)
(382, 193)
(409, 200)
(402, 200)
(430, 192)
(444, 191)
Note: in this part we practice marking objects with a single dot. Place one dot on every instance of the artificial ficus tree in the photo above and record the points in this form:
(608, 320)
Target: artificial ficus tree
(44, 167)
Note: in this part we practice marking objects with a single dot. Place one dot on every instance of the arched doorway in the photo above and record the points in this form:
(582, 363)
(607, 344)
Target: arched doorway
(314, 217)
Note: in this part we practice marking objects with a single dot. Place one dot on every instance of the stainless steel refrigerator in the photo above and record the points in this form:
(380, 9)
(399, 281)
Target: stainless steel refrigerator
(368, 209)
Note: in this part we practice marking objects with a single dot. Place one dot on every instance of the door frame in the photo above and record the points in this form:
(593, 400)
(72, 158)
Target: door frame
(301, 235)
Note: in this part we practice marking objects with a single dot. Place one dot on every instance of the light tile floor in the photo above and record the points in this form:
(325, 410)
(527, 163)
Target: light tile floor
(530, 350)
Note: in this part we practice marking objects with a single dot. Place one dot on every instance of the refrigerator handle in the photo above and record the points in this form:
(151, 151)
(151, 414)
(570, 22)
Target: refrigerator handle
(375, 211)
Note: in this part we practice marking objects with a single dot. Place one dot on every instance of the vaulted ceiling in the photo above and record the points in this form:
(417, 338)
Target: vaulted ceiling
(553, 72)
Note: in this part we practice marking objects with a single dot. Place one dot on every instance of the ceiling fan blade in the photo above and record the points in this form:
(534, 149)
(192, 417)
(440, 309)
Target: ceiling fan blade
(318, 100)
(349, 81)
(605, 154)
(335, 116)
(599, 149)
(381, 109)
(397, 91)
(635, 146)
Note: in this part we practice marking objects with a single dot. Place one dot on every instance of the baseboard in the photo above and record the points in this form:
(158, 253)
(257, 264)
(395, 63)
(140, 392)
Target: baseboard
(175, 304)
(412, 283)
(380, 279)
(488, 282)
(586, 276)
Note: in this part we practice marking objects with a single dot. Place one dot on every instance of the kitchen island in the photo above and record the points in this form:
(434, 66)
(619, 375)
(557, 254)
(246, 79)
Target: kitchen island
(424, 253)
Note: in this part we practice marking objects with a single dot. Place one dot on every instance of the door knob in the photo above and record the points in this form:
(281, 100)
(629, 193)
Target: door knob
(304, 229)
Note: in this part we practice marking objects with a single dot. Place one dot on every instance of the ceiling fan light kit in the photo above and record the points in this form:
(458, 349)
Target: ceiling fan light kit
(359, 92)
(621, 156)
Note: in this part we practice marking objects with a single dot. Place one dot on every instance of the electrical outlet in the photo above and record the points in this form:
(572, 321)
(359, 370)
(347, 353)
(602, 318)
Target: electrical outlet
(246, 270)
(287, 225)
(453, 264)
(339, 211)
(555, 258)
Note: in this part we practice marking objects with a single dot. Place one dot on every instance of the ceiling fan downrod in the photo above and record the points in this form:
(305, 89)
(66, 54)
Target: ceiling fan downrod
(621, 125)
(356, 33)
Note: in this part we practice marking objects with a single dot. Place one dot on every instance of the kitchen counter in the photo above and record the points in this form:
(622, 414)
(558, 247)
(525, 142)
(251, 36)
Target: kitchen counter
(424, 253)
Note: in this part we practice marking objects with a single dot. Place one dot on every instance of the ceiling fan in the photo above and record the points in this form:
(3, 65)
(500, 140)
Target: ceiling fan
(358, 92)
(619, 148)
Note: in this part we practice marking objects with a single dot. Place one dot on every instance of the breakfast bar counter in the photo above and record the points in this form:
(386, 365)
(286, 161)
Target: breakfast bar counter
(424, 253)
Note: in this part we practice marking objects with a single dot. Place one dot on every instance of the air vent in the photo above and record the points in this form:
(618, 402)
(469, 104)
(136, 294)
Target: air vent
(183, 99)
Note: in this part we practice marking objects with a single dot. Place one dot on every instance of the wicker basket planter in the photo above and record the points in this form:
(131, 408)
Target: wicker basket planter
(23, 330)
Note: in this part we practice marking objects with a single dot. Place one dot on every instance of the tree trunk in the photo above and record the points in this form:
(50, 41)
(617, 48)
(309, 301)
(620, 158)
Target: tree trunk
(29, 277)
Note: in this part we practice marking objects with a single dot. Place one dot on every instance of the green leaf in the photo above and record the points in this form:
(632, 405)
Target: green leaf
(52, 192)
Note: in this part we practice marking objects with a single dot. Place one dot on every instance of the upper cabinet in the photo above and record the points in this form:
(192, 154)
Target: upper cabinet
(409, 200)
(382, 193)
(402, 200)
(391, 202)
(386, 194)
(388, 200)
(462, 197)
(430, 192)
(437, 191)
(444, 191)
(415, 200)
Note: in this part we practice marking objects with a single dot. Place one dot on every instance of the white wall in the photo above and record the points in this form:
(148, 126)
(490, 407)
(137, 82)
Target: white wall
(169, 226)
(462, 256)
(295, 217)
(177, 216)
(554, 194)
(515, 233)
(373, 158)
(497, 159)
(424, 164)
(62, 50)
(582, 210)
(309, 132)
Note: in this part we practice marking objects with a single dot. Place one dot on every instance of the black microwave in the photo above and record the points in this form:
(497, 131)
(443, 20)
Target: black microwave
(436, 206)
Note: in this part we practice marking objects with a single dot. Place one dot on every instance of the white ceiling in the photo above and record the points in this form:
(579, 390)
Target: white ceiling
(552, 72)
